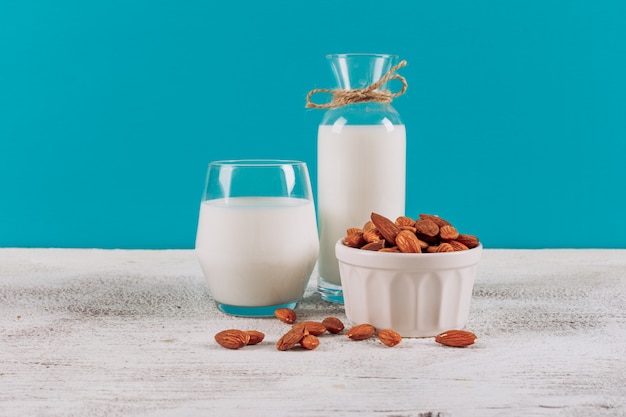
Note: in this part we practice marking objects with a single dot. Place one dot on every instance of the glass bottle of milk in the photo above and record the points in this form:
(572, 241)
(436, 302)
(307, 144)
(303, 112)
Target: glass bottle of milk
(361, 162)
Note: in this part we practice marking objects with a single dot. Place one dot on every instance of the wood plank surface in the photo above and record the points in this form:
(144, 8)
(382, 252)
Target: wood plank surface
(87, 332)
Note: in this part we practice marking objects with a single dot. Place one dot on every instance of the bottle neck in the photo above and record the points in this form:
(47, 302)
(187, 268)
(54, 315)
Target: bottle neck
(357, 71)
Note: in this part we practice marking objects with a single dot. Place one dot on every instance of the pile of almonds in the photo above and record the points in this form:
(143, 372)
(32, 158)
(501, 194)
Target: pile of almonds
(429, 233)
(306, 334)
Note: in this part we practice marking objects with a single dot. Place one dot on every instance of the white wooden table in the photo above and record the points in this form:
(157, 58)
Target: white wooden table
(130, 333)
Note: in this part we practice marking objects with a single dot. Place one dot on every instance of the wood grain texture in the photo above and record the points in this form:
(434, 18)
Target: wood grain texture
(130, 333)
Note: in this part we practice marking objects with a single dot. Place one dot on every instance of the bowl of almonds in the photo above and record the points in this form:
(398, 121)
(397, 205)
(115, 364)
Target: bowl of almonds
(415, 276)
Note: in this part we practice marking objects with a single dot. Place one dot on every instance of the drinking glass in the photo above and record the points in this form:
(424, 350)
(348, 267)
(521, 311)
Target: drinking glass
(257, 240)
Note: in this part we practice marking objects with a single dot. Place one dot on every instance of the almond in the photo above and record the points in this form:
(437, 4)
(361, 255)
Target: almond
(408, 243)
(232, 338)
(374, 245)
(368, 226)
(456, 338)
(314, 327)
(354, 240)
(290, 339)
(427, 227)
(373, 235)
(443, 247)
(353, 230)
(392, 250)
(423, 244)
(448, 232)
(285, 315)
(361, 332)
(309, 342)
(333, 325)
(389, 337)
(431, 240)
(255, 337)
(468, 240)
(409, 228)
(404, 221)
(434, 218)
(387, 228)
(457, 246)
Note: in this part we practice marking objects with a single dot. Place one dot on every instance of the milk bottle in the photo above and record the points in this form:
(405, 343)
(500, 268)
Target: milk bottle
(361, 158)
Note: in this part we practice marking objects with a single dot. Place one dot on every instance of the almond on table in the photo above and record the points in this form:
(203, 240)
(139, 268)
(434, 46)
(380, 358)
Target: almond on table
(256, 337)
(309, 342)
(456, 338)
(313, 327)
(389, 337)
(333, 325)
(286, 315)
(232, 338)
(361, 331)
(290, 339)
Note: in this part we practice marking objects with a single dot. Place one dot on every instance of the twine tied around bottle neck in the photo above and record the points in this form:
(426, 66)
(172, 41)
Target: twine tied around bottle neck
(361, 95)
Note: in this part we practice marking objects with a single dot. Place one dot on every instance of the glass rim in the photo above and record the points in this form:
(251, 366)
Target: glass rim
(361, 55)
(256, 162)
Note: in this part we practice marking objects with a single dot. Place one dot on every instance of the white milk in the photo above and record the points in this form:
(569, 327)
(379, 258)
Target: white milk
(257, 251)
(361, 169)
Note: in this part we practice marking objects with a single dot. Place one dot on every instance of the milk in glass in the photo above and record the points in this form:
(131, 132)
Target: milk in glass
(257, 251)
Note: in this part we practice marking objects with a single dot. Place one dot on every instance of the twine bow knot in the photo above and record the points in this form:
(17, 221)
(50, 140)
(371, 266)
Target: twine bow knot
(361, 95)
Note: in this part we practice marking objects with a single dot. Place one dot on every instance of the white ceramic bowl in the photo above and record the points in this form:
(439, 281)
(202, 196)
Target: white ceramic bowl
(417, 295)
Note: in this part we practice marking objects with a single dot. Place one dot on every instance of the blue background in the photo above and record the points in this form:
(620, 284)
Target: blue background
(111, 110)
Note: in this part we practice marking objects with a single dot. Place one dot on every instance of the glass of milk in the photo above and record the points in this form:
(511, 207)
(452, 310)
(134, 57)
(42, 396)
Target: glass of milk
(257, 239)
